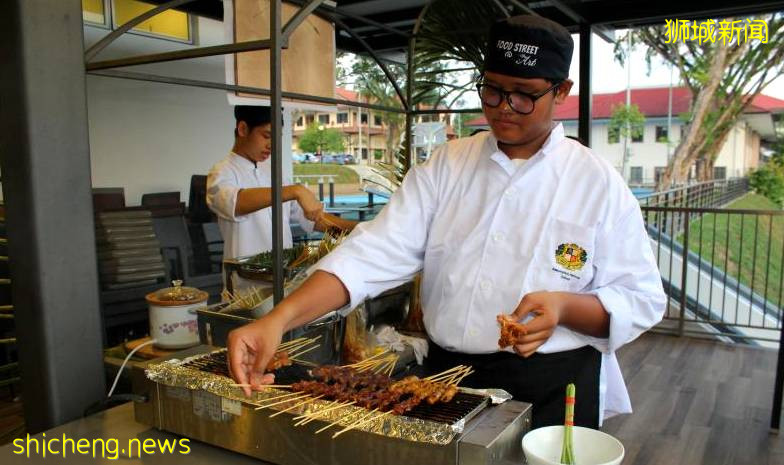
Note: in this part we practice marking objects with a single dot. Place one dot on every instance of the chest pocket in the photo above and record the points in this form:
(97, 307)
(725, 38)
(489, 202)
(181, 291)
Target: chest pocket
(564, 258)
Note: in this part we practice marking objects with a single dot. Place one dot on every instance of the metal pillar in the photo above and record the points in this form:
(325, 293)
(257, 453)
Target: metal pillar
(410, 106)
(276, 41)
(778, 387)
(45, 159)
(584, 121)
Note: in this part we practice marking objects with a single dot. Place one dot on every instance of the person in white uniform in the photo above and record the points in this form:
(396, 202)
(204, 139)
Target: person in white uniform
(239, 192)
(518, 220)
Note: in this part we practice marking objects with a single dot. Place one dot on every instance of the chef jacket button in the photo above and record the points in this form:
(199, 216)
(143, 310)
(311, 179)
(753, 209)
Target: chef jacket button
(472, 332)
(498, 237)
(485, 285)
(511, 191)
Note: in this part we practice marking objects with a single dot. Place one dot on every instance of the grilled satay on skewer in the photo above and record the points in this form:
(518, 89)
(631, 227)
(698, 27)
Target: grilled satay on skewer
(511, 331)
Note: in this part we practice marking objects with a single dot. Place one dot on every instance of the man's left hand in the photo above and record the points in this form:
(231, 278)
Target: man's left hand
(547, 309)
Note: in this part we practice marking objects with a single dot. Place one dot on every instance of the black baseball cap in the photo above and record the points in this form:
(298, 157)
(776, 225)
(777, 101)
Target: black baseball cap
(529, 46)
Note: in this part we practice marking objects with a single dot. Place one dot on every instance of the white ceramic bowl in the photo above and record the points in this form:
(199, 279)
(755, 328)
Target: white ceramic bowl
(542, 446)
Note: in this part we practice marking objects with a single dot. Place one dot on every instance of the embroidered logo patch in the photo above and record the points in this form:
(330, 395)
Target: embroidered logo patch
(571, 256)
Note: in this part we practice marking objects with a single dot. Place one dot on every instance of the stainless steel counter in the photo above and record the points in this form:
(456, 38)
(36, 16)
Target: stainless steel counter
(118, 423)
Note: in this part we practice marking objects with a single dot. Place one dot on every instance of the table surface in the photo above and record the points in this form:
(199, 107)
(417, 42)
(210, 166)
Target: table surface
(118, 423)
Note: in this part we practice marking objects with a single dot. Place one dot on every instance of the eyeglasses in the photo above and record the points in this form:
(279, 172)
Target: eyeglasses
(520, 102)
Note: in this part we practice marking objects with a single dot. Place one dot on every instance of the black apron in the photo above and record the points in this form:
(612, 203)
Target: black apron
(540, 379)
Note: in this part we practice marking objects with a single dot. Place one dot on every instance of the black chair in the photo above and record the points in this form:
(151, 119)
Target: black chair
(177, 249)
(198, 211)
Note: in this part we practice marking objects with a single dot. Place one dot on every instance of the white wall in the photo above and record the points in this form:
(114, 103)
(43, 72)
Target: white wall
(148, 137)
(650, 154)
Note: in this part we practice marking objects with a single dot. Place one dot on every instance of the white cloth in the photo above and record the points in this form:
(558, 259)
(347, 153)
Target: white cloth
(486, 233)
(386, 336)
(249, 234)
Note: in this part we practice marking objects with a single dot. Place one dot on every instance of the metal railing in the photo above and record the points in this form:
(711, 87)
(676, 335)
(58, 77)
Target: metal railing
(707, 194)
(729, 280)
(723, 271)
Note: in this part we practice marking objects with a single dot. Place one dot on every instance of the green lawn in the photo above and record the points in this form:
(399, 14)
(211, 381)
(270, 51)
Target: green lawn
(344, 175)
(728, 240)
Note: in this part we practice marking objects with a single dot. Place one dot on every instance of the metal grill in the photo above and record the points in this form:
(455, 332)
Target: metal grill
(462, 407)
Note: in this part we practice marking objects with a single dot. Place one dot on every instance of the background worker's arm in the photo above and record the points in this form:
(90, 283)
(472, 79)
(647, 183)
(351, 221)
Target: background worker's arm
(255, 198)
(328, 221)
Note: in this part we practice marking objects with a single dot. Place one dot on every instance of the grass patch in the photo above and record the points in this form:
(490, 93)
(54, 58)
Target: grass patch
(344, 175)
(749, 248)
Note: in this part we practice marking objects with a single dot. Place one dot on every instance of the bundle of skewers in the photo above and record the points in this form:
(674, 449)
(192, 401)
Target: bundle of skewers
(289, 352)
(367, 385)
(244, 299)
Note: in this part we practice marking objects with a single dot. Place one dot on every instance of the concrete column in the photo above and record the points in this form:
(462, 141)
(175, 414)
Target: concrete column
(45, 160)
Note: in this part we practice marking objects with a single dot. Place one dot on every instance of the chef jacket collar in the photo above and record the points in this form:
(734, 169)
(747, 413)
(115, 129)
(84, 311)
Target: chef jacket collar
(555, 137)
(246, 164)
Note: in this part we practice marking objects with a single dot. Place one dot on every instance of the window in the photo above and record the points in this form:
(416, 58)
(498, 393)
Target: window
(635, 175)
(309, 119)
(299, 121)
(364, 118)
(94, 11)
(170, 24)
(342, 118)
(377, 120)
(662, 134)
(378, 154)
(719, 172)
(323, 119)
(637, 135)
(364, 153)
(657, 173)
(612, 136)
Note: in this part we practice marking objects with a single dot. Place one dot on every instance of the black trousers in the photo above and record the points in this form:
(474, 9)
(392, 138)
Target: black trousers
(540, 379)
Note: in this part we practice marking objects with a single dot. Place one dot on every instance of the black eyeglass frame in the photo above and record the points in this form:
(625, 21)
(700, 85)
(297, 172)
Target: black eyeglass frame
(508, 96)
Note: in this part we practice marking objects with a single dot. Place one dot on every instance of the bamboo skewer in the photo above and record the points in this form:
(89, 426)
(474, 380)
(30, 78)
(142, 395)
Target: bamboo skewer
(360, 419)
(304, 417)
(297, 405)
(362, 422)
(299, 354)
(364, 362)
(276, 386)
(439, 375)
(301, 396)
(304, 362)
(307, 418)
(345, 417)
(287, 344)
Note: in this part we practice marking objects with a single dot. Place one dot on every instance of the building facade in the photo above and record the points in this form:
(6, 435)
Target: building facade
(365, 131)
(649, 153)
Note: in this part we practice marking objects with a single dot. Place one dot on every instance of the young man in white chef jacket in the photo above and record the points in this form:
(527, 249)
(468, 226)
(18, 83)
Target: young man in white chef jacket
(239, 192)
(518, 220)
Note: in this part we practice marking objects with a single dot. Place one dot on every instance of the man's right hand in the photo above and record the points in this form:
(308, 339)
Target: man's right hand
(250, 348)
(311, 205)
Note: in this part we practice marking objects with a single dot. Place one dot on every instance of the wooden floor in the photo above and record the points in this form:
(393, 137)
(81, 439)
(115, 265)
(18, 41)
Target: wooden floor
(697, 402)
